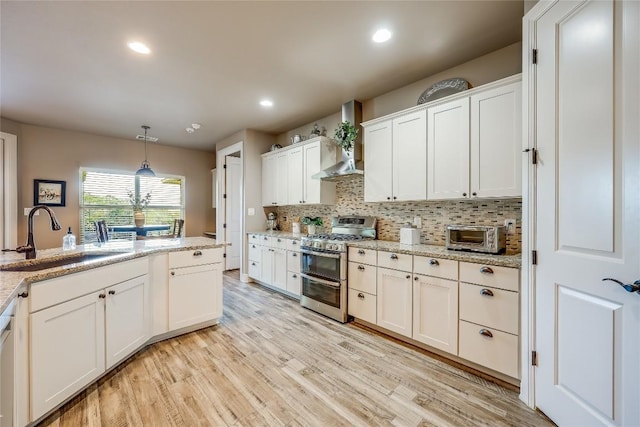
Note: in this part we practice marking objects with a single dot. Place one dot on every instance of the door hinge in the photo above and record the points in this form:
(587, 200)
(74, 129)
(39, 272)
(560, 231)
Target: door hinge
(534, 358)
(224, 166)
(534, 56)
(534, 257)
(224, 225)
(224, 196)
(224, 255)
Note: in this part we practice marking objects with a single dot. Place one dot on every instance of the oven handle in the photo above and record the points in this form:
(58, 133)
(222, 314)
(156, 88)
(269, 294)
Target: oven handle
(324, 282)
(323, 254)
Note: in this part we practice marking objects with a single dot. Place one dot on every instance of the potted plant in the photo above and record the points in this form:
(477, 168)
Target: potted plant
(345, 134)
(138, 203)
(312, 223)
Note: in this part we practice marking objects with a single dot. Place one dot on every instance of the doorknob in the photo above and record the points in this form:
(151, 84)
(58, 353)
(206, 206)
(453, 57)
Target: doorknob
(634, 287)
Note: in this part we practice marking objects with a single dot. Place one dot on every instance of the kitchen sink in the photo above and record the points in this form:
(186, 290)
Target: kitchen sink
(59, 262)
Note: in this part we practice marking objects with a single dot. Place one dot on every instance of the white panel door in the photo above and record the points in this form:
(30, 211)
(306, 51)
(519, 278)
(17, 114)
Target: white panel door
(268, 180)
(588, 214)
(410, 156)
(233, 214)
(435, 312)
(266, 265)
(294, 171)
(280, 268)
(496, 142)
(282, 178)
(448, 150)
(312, 165)
(378, 162)
(194, 295)
(126, 318)
(395, 294)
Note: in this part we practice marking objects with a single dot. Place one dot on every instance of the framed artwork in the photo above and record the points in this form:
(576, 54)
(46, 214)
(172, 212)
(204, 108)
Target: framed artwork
(49, 193)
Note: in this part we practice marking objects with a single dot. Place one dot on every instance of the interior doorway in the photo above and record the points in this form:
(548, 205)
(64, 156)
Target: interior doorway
(230, 221)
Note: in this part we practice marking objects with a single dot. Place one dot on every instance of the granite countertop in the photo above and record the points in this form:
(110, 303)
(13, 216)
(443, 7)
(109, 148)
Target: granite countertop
(283, 234)
(12, 282)
(513, 261)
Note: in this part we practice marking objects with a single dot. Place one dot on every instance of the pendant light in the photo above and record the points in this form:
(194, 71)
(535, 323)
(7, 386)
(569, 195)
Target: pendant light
(145, 169)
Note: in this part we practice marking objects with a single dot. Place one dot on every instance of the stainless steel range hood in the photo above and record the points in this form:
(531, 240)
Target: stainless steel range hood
(351, 164)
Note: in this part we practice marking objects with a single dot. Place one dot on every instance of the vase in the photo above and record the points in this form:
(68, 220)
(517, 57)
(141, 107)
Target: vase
(139, 218)
(311, 229)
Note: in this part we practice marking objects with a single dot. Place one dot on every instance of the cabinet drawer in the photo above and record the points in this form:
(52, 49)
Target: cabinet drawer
(254, 238)
(279, 242)
(362, 305)
(499, 352)
(489, 275)
(293, 261)
(363, 256)
(254, 270)
(293, 245)
(194, 257)
(265, 240)
(254, 252)
(294, 282)
(395, 261)
(492, 307)
(436, 267)
(362, 277)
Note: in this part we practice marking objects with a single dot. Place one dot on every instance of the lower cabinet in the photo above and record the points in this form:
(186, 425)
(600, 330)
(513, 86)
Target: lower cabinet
(194, 295)
(435, 312)
(394, 301)
(275, 261)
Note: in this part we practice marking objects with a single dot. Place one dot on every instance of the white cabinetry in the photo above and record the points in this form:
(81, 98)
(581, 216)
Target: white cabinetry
(275, 179)
(294, 281)
(195, 287)
(275, 262)
(394, 297)
(396, 159)
(362, 284)
(296, 172)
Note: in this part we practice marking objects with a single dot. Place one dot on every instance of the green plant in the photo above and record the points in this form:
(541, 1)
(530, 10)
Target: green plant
(312, 221)
(139, 202)
(345, 134)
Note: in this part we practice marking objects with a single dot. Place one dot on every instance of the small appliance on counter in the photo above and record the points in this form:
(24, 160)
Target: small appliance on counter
(272, 222)
(409, 235)
(476, 238)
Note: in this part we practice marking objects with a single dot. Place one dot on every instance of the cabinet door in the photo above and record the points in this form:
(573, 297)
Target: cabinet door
(496, 152)
(266, 265)
(395, 293)
(281, 178)
(67, 350)
(312, 165)
(435, 312)
(378, 186)
(296, 182)
(448, 150)
(127, 318)
(194, 295)
(268, 180)
(294, 282)
(279, 268)
(410, 156)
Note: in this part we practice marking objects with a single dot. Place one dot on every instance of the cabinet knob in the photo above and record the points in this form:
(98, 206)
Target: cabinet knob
(360, 295)
(253, 246)
(487, 333)
(394, 197)
(360, 252)
(408, 276)
(393, 256)
(416, 278)
(300, 201)
(112, 292)
(23, 294)
(361, 267)
(388, 198)
(295, 276)
(293, 242)
(173, 273)
(433, 262)
(486, 270)
(253, 263)
(486, 292)
(474, 194)
(295, 254)
(279, 240)
(464, 194)
(102, 296)
(197, 253)
(264, 238)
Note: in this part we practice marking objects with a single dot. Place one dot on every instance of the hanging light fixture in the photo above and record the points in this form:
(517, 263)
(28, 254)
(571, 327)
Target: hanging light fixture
(145, 169)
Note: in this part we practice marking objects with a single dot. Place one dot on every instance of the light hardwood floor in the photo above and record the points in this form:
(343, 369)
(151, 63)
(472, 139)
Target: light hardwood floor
(272, 362)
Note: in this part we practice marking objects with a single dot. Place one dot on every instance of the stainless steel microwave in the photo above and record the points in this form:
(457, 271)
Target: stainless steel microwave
(476, 238)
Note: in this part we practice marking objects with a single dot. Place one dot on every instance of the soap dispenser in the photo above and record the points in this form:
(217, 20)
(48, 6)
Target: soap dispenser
(69, 241)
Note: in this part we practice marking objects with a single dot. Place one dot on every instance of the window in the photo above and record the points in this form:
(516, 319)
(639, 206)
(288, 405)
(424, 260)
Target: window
(104, 195)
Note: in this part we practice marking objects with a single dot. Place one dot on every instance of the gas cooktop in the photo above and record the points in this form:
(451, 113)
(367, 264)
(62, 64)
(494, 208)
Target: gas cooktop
(343, 229)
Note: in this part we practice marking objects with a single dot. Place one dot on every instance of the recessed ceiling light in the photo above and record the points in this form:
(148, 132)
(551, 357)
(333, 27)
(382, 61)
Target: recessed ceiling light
(190, 130)
(196, 126)
(382, 35)
(139, 47)
(266, 103)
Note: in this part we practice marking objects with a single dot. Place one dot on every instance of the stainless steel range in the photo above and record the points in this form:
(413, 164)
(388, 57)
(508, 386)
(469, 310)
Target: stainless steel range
(324, 265)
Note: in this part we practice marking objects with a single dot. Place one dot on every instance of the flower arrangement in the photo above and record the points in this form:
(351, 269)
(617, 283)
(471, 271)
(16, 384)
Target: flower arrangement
(137, 202)
(345, 134)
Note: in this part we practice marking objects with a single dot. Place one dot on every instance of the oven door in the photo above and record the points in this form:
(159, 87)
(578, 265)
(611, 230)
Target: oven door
(323, 265)
(322, 291)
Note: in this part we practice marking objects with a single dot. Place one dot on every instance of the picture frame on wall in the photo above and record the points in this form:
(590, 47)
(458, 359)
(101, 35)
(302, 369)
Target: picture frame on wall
(49, 192)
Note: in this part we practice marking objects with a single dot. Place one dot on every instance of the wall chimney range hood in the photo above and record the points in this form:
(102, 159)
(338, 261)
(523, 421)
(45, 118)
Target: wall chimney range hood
(351, 164)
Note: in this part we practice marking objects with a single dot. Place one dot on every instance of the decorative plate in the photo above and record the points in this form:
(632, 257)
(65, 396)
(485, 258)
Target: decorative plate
(443, 88)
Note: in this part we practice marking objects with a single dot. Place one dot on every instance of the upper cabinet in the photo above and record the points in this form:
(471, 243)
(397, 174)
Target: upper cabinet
(467, 145)
(396, 150)
(287, 174)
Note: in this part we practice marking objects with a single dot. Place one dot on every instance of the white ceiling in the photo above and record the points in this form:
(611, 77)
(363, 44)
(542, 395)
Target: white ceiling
(65, 64)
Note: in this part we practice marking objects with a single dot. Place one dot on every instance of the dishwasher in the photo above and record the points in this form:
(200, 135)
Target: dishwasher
(7, 366)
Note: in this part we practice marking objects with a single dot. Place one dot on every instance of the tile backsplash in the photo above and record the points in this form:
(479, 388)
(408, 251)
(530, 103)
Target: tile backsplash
(393, 215)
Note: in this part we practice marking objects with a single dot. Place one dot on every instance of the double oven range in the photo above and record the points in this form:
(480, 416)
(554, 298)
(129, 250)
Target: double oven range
(324, 265)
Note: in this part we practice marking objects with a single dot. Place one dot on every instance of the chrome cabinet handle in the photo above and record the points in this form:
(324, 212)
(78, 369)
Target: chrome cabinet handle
(486, 333)
(486, 270)
(393, 256)
(102, 296)
(433, 262)
(633, 287)
(360, 252)
(293, 242)
(197, 253)
(112, 292)
(486, 292)
(295, 276)
(360, 295)
(23, 294)
(361, 267)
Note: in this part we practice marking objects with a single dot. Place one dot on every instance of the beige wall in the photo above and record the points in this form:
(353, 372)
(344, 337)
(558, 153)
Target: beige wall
(45, 153)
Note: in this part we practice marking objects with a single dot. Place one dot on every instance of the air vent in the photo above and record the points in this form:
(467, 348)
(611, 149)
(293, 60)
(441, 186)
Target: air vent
(149, 138)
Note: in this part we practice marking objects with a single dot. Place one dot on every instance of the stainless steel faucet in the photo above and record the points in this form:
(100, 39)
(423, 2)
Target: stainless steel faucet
(30, 248)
